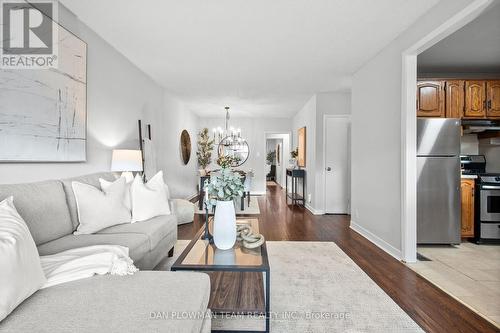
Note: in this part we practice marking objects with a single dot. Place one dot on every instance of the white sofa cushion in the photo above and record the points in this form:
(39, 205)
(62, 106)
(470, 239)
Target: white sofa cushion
(127, 201)
(21, 272)
(149, 200)
(100, 209)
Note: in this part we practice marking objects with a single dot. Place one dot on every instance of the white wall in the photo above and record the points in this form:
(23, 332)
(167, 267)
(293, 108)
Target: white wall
(307, 117)
(118, 94)
(469, 144)
(173, 118)
(254, 130)
(376, 133)
(491, 153)
(311, 116)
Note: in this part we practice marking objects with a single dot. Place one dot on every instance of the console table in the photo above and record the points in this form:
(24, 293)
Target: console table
(295, 175)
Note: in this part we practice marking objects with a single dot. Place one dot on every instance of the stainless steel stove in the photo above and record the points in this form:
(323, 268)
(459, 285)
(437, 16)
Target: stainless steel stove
(488, 207)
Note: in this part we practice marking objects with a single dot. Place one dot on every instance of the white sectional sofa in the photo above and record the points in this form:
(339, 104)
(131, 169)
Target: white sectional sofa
(105, 303)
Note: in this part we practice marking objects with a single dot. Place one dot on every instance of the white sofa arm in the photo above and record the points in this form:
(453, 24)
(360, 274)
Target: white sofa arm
(183, 209)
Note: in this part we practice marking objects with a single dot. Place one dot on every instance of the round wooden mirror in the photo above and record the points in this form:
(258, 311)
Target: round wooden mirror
(185, 147)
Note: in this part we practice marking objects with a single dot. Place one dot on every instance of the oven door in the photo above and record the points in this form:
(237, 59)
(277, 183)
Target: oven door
(490, 203)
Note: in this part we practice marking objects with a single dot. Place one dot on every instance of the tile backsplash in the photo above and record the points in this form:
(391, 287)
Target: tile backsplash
(471, 145)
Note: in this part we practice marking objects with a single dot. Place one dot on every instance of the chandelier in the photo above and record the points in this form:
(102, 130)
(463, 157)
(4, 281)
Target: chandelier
(230, 141)
(227, 133)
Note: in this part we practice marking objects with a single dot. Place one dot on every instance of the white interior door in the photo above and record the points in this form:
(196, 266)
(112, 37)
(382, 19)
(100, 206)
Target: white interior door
(337, 175)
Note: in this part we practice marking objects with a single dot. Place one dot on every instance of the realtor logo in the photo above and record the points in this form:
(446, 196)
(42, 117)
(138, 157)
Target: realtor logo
(29, 34)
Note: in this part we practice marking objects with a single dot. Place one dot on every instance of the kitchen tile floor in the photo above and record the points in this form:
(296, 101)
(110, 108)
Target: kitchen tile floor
(468, 272)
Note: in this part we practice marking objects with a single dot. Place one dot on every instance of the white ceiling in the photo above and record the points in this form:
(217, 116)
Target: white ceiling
(261, 57)
(473, 48)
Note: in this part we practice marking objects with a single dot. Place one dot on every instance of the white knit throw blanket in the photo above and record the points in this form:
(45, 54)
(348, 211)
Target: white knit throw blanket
(85, 262)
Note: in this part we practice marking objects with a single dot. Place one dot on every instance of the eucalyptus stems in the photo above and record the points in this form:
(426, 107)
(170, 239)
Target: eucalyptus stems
(224, 186)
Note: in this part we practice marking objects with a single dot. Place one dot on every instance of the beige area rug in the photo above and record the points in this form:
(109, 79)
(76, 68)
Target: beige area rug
(316, 287)
(252, 210)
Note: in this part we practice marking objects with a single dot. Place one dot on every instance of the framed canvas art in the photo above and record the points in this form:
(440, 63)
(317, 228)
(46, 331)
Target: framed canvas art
(301, 136)
(43, 114)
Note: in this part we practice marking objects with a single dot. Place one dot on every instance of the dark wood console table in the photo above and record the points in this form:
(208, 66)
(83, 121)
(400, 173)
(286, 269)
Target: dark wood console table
(295, 175)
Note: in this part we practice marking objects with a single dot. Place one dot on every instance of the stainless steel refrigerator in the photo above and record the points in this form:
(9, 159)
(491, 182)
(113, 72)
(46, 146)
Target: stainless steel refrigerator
(438, 181)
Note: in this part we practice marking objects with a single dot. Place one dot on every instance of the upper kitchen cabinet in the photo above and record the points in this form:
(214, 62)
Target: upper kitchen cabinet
(430, 99)
(493, 99)
(475, 99)
(454, 105)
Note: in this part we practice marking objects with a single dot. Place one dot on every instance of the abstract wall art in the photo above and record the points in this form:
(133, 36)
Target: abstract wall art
(43, 112)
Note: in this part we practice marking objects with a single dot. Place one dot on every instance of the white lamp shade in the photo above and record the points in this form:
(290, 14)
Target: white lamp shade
(126, 160)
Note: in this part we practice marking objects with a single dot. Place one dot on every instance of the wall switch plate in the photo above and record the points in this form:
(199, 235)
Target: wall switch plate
(309, 198)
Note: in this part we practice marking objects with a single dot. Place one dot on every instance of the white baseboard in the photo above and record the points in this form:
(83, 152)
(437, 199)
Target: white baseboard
(258, 193)
(314, 211)
(377, 241)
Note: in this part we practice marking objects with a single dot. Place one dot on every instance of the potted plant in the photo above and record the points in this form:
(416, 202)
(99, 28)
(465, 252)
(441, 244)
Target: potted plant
(204, 153)
(226, 161)
(222, 189)
(294, 154)
(270, 157)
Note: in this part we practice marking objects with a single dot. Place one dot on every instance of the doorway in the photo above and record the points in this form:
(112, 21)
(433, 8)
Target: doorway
(337, 131)
(277, 156)
(409, 123)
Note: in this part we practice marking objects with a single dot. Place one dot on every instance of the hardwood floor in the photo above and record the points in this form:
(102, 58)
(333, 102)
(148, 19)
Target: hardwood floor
(431, 308)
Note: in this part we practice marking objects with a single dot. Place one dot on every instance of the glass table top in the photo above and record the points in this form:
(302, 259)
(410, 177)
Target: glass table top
(201, 253)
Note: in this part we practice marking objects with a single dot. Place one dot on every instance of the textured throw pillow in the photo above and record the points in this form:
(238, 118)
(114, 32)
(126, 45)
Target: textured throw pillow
(21, 273)
(97, 209)
(150, 199)
(127, 201)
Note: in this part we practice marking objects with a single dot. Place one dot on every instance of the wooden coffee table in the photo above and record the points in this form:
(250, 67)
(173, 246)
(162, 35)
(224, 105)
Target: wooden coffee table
(240, 277)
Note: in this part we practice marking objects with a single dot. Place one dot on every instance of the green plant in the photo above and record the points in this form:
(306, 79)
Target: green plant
(294, 153)
(205, 147)
(226, 161)
(224, 186)
(271, 155)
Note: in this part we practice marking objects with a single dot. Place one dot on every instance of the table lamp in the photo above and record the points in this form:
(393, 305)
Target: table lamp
(126, 161)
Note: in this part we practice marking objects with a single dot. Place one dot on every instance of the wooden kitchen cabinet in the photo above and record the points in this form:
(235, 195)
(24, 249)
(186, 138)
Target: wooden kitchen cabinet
(475, 99)
(430, 99)
(493, 99)
(467, 188)
(455, 98)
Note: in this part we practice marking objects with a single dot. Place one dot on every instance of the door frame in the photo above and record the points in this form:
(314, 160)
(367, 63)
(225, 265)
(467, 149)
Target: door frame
(409, 122)
(348, 118)
(290, 144)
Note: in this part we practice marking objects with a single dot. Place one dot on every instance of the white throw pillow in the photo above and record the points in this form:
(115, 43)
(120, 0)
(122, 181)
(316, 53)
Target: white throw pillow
(150, 199)
(127, 201)
(97, 209)
(21, 273)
